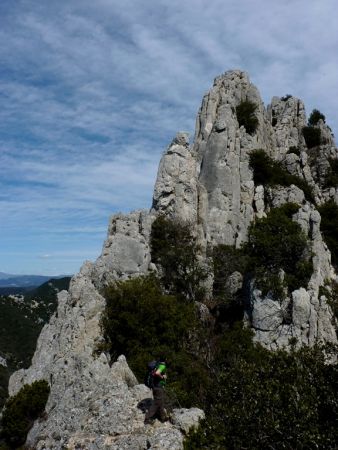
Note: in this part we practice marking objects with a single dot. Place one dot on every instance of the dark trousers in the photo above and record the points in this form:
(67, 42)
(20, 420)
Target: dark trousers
(157, 407)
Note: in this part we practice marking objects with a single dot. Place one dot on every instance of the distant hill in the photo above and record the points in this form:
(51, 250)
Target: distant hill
(27, 281)
(4, 275)
(21, 320)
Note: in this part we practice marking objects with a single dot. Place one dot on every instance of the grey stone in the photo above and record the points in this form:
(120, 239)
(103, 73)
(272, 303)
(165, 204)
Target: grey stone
(267, 314)
(94, 401)
(186, 419)
(3, 362)
(234, 282)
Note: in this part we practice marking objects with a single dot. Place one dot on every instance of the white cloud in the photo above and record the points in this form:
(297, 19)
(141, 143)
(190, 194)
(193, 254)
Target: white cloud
(92, 92)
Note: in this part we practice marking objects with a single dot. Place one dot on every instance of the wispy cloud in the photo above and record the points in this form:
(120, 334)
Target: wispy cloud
(92, 92)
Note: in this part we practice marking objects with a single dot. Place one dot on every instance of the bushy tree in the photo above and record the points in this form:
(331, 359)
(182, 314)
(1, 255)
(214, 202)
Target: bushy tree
(277, 243)
(268, 172)
(315, 117)
(21, 410)
(174, 249)
(330, 290)
(312, 136)
(331, 179)
(142, 323)
(276, 400)
(246, 116)
(329, 227)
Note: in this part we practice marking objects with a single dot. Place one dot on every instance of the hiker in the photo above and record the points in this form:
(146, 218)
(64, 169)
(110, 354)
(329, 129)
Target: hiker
(159, 380)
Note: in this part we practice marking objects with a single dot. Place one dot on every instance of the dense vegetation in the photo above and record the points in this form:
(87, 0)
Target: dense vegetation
(174, 249)
(329, 228)
(274, 400)
(253, 398)
(21, 320)
(278, 243)
(246, 116)
(268, 172)
(312, 136)
(144, 324)
(21, 410)
(315, 117)
(312, 133)
(19, 331)
(331, 179)
(330, 290)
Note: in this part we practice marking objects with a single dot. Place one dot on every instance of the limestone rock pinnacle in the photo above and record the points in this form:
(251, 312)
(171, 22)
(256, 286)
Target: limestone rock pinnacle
(209, 184)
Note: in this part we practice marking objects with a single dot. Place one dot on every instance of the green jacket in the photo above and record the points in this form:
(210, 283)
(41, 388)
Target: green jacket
(160, 382)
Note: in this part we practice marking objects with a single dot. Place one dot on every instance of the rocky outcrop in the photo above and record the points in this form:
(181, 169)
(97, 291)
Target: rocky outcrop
(96, 403)
(175, 192)
(126, 251)
(228, 200)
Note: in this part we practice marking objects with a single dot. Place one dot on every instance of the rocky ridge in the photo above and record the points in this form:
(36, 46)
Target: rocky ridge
(93, 401)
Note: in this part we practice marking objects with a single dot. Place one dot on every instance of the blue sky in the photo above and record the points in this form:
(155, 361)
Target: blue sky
(92, 92)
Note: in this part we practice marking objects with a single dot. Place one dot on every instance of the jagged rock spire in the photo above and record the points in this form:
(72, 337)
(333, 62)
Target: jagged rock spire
(93, 401)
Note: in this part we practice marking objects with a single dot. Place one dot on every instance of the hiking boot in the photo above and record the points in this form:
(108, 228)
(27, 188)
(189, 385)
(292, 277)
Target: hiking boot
(165, 419)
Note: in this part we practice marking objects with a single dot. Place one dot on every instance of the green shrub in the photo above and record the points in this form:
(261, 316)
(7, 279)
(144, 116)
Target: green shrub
(4, 377)
(331, 179)
(271, 400)
(21, 410)
(173, 247)
(286, 97)
(329, 227)
(315, 117)
(246, 116)
(277, 242)
(20, 326)
(142, 323)
(312, 136)
(266, 171)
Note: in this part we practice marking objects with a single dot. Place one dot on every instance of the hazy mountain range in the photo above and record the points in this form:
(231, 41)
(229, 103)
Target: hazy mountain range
(24, 281)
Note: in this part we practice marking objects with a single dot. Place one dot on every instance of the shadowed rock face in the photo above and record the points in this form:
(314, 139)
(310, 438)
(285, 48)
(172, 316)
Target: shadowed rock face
(93, 401)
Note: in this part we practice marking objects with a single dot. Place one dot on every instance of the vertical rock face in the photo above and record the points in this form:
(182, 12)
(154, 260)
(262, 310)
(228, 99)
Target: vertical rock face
(175, 192)
(287, 117)
(126, 251)
(94, 401)
(222, 150)
(224, 200)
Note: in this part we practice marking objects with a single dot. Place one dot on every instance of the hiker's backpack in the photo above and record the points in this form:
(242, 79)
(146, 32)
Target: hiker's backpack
(149, 377)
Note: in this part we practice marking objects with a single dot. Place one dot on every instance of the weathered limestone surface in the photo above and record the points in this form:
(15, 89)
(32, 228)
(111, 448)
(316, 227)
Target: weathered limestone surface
(222, 149)
(126, 250)
(175, 192)
(311, 316)
(228, 201)
(94, 401)
(93, 404)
